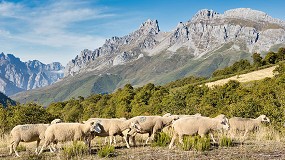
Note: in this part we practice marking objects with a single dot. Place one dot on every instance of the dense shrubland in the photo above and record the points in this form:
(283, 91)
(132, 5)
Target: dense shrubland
(183, 96)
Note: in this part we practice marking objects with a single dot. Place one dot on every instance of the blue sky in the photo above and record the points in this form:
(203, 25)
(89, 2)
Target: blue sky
(57, 30)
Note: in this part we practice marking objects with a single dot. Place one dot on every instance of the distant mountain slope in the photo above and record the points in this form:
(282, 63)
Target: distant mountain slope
(4, 100)
(207, 42)
(16, 76)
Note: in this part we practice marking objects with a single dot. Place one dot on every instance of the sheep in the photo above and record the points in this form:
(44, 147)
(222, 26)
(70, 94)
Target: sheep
(113, 127)
(151, 125)
(63, 132)
(28, 133)
(246, 124)
(197, 125)
(182, 116)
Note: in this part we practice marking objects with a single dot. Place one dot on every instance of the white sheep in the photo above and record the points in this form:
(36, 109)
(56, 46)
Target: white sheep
(182, 116)
(28, 133)
(63, 132)
(114, 126)
(151, 125)
(238, 124)
(197, 125)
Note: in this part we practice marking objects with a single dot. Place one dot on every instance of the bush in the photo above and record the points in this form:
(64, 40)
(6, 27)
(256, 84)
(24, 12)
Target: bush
(77, 149)
(106, 151)
(21, 148)
(198, 143)
(161, 139)
(225, 142)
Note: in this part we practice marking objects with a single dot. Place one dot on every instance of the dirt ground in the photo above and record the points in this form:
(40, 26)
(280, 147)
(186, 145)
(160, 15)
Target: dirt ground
(259, 150)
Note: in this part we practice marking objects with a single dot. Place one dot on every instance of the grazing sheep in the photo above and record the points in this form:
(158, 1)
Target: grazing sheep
(246, 124)
(182, 116)
(63, 132)
(197, 125)
(151, 125)
(114, 126)
(28, 133)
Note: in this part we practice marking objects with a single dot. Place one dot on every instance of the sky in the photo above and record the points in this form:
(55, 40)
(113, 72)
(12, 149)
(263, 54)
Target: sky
(57, 30)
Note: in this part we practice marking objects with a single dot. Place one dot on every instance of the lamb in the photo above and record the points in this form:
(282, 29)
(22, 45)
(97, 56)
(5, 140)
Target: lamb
(197, 125)
(28, 133)
(246, 124)
(151, 125)
(63, 132)
(113, 127)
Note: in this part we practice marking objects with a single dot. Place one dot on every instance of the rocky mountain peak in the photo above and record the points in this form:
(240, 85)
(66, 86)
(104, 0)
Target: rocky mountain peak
(149, 27)
(205, 14)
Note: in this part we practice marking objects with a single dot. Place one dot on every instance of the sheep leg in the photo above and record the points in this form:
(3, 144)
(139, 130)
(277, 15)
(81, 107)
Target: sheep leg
(114, 139)
(11, 147)
(106, 140)
(44, 146)
(172, 140)
(125, 138)
(38, 143)
(180, 138)
(149, 134)
(212, 136)
(111, 139)
(15, 146)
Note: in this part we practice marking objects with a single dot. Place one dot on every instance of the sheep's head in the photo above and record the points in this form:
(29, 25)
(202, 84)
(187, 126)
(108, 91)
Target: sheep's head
(167, 115)
(135, 126)
(95, 127)
(56, 121)
(224, 123)
(264, 118)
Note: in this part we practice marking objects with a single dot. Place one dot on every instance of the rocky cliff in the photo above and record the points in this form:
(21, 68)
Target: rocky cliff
(245, 29)
(16, 76)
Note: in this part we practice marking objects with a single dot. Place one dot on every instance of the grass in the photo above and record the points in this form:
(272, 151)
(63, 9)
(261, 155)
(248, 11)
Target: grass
(225, 142)
(21, 148)
(161, 140)
(106, 151)
(196, 143)
(77, 149)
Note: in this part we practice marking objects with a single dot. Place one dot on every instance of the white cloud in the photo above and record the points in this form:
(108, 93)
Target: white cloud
(55, 24)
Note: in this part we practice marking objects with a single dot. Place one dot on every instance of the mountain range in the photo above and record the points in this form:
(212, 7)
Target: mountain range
(17, 76)
(208, 41)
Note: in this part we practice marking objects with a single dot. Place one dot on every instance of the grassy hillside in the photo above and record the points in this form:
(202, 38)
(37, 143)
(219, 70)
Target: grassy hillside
(5, 100)
(159, 69)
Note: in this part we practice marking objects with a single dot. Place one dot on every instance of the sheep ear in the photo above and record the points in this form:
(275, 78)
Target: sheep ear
(92, 123)
(84, 122)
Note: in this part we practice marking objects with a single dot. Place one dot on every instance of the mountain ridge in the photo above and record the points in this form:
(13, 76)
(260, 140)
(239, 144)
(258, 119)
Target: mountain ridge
(208, 41)
(17, 76)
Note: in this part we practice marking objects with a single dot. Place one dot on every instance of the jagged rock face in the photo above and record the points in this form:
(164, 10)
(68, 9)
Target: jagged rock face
(249, 30)
(143, 38)
(16, 75)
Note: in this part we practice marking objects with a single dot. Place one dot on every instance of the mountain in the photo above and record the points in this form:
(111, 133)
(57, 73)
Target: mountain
(17, 76)
(4, 100)
(206, 42)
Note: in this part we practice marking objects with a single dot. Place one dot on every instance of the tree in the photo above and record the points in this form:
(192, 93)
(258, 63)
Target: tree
(257, 59)
(270, 58)
(280, 55)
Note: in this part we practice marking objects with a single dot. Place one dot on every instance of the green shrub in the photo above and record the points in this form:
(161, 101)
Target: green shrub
(77, 149)
(225, 142)
(21, 148)
(106, 151)
(197, 143)
(161, 140)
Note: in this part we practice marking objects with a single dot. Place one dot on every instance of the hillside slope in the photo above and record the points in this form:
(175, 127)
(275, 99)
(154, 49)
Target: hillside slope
(251, 76)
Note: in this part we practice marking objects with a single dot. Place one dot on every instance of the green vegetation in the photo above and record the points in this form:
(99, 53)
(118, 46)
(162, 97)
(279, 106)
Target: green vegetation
(77, 150)
(106, 151)
(225, 142)
(161, 140)
(196, 143)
